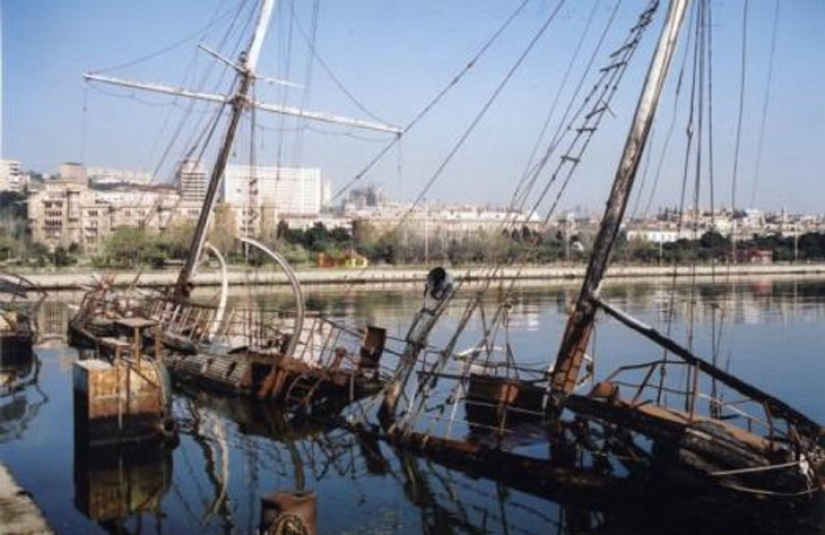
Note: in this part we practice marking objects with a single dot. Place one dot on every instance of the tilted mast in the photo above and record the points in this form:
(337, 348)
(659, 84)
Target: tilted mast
(239, 101)
(565, 373)
(246, 75)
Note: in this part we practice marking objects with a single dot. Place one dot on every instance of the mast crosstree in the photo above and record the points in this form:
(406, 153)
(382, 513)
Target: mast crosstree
(239, 102)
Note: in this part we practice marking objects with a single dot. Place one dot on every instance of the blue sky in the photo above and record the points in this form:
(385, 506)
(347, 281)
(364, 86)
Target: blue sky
(394, 57)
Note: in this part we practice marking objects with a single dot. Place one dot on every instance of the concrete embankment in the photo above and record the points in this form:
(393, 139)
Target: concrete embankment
(77, 278)
(18, 513)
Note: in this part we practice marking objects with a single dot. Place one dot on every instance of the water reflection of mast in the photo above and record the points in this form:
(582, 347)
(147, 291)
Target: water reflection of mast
(446, 503)
(219, 504)
(20, 409)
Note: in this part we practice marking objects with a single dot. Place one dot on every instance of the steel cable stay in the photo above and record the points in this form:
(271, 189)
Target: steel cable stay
(601, 93)
(620, 60)
(435, 100)
(757, 171)
(565, 125)
(626, 49)
(438, 173)
(567, 73)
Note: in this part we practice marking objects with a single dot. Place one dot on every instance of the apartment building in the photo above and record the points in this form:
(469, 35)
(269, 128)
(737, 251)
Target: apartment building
(12, 177)
(261, 196)
(64, 212)
(104, 176)
(192, 181)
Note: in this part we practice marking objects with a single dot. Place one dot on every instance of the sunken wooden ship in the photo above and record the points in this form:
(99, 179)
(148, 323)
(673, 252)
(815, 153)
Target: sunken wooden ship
(675, 422)
(314, 365)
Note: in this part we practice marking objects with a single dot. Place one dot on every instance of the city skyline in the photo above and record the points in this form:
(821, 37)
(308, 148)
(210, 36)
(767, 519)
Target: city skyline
(394, 62)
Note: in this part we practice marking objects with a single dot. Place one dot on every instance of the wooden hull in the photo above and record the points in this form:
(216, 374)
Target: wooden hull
(708, 453)
(289, 382)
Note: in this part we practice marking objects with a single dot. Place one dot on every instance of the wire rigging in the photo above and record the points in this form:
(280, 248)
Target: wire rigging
(742, 80)
(534, 170)
(218, 18)
(763, 119)
(434, 101)
(486, 107)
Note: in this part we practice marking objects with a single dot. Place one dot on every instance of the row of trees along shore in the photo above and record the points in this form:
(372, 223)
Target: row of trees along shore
(128, 247)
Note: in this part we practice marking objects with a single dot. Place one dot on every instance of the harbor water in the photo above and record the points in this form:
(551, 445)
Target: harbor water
(231, 453)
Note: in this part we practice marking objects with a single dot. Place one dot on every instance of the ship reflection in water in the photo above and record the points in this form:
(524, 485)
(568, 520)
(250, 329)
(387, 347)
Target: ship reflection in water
(113, 485)
(20, 396)
(126, 491)
(241, 467)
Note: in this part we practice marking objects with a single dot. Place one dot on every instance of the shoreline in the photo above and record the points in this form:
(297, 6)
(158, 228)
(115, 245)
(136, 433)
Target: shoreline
(77, 279)
(19, 514)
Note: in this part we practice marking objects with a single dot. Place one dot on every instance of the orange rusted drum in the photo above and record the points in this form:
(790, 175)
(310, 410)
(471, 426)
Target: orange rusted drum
(289, 513)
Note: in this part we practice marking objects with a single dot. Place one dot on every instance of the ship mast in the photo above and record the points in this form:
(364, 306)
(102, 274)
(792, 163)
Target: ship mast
(246, 75)
(565, 373)
(239, 101)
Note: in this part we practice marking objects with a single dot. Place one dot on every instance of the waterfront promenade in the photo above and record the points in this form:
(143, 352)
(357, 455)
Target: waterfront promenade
(76, 278)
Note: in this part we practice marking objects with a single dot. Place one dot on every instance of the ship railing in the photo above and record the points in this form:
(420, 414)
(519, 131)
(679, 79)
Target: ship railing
(321, 341)
(192, 321)
(687, 393)
(471, 394)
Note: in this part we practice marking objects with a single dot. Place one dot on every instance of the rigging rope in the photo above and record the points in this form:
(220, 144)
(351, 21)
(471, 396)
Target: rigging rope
(485, 108)
(216, 18)
(758, 168)
(742, 78)
(435, 100)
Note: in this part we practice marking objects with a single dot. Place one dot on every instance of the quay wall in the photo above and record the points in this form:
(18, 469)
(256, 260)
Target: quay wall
(73, 279)
(19, 515)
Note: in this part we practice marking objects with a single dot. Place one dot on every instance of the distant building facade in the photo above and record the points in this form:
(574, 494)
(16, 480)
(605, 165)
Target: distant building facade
(12, 177)
(192, 180)
(73, 172)
(102, 176)
(63, 212)
(446, 222)
(261, 196)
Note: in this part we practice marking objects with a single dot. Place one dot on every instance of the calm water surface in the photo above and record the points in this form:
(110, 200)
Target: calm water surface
(231, 454)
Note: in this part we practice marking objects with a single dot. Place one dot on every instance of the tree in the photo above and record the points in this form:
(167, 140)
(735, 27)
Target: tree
(63, 256)
(177, 238)
(131, 247)
(223, 232)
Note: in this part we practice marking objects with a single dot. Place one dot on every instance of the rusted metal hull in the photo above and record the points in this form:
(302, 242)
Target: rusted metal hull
(703, 452)
(533, 475)
(16, 346)
(289, 382)
(118, 403)
(83, 333)
(501, 402)
(289, 512)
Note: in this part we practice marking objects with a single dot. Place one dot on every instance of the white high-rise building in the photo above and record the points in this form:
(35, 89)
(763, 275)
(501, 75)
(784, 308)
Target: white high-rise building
(260, 193)
(12, 177)
(192, 180)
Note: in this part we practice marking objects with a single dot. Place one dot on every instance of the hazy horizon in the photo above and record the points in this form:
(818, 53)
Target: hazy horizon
(388, 61)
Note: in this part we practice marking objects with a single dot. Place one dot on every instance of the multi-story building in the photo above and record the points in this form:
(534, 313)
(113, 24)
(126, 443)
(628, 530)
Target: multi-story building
(192, 180)
(64, 212)
(54, 212)
(12, 177)
(101, 176)
(261, 196)
(73, 172)
(446, 222)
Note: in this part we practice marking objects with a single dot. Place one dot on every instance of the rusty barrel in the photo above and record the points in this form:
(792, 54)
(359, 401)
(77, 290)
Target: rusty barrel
(289, 513)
